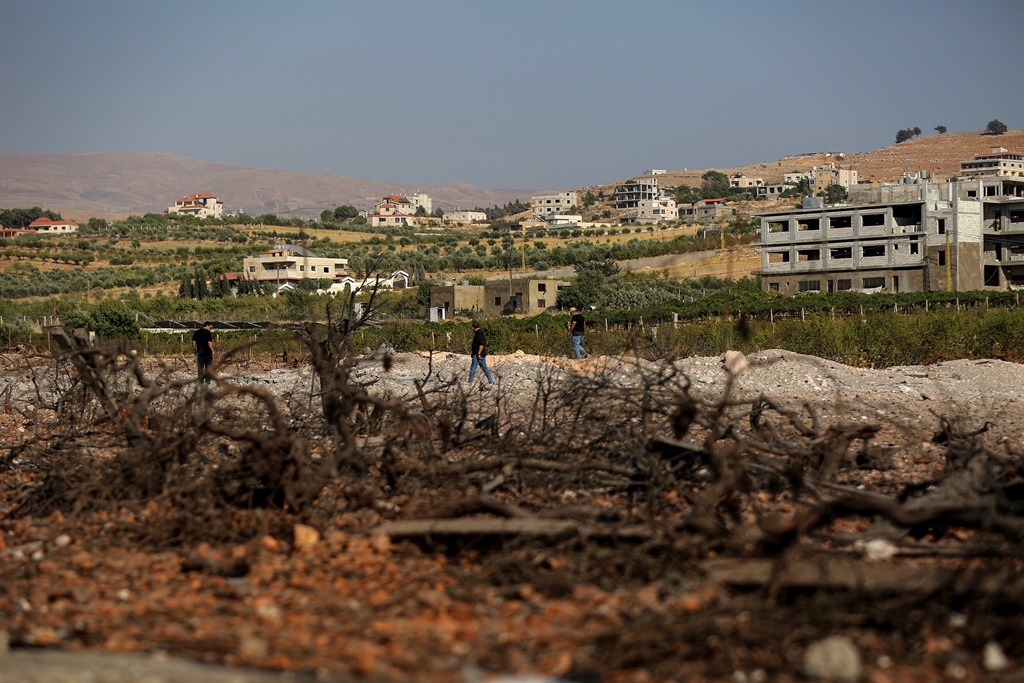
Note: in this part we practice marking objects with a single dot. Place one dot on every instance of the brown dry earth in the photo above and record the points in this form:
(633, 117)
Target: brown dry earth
(329, 597)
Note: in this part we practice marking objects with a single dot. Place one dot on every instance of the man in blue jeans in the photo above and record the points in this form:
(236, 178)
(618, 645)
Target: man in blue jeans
(479, 353)
(577, 326)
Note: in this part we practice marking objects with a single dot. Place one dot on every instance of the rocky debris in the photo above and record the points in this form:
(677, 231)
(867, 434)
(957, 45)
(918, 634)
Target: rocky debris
(835, 659)
(53, 666)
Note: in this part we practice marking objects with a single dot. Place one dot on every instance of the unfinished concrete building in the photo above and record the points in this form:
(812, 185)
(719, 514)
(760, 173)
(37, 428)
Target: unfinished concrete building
(632, 192)
(498, 296)
(921, 237)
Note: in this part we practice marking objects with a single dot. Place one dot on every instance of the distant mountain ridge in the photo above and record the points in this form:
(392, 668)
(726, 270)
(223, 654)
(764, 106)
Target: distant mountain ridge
(145, 182)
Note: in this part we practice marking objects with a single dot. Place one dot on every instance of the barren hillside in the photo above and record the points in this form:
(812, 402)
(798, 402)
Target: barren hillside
(939, 154)
(143, 182)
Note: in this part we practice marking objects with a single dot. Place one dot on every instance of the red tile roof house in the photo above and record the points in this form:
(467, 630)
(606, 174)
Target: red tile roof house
(203, 205)
(45, 226)
(395, 210)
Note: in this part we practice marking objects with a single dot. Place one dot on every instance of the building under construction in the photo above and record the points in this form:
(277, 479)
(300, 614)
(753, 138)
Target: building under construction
(916, 236)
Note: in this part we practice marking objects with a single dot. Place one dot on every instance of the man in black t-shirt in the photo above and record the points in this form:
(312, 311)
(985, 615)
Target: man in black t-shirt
(577, 326)
(202, 346)
(478, 351)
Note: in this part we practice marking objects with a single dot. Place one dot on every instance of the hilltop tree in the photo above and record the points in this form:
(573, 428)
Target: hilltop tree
(940, 129)
(917, 131)
(906, 133)
(995, 127)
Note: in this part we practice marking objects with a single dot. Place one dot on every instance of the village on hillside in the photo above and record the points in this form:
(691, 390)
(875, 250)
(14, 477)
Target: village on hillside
(827, 228)
(916, 234)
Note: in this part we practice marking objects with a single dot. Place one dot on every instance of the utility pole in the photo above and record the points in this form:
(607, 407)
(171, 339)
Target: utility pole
(949, 266)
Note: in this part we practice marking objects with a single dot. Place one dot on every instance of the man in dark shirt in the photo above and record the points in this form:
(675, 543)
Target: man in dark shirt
(577, 326)
(202, 346)
(479, 353)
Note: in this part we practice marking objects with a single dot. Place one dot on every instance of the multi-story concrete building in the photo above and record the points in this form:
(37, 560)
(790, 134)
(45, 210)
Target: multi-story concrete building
(549, 204)
(714, 210)
(393, 210)
(998, 162)
(290, 263)
(920, 237)
(832, 174)
(656, 210)
(203, 205)
(632, 192)
(741, 182)
(420, 199)
(498, 297)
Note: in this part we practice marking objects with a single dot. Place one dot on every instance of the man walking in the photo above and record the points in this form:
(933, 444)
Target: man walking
(577, 326)
(479, 353)
(202, 346)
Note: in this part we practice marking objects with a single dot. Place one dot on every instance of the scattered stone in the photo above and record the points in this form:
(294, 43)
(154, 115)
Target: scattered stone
(835, 659)
(306, 537)
(878, 549)
(993, 658)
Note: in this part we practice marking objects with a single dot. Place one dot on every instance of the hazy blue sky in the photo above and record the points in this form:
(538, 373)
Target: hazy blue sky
(536, 95)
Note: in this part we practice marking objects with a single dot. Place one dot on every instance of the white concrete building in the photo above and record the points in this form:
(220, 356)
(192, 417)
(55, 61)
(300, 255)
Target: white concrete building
(551, 204)
(656, 210)
(45, 226)
(461, 216)
(203, 205)
(290, 263)
(997, 163)
(393, 210)
(561, 221)
(420, 199)
(397, 280)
